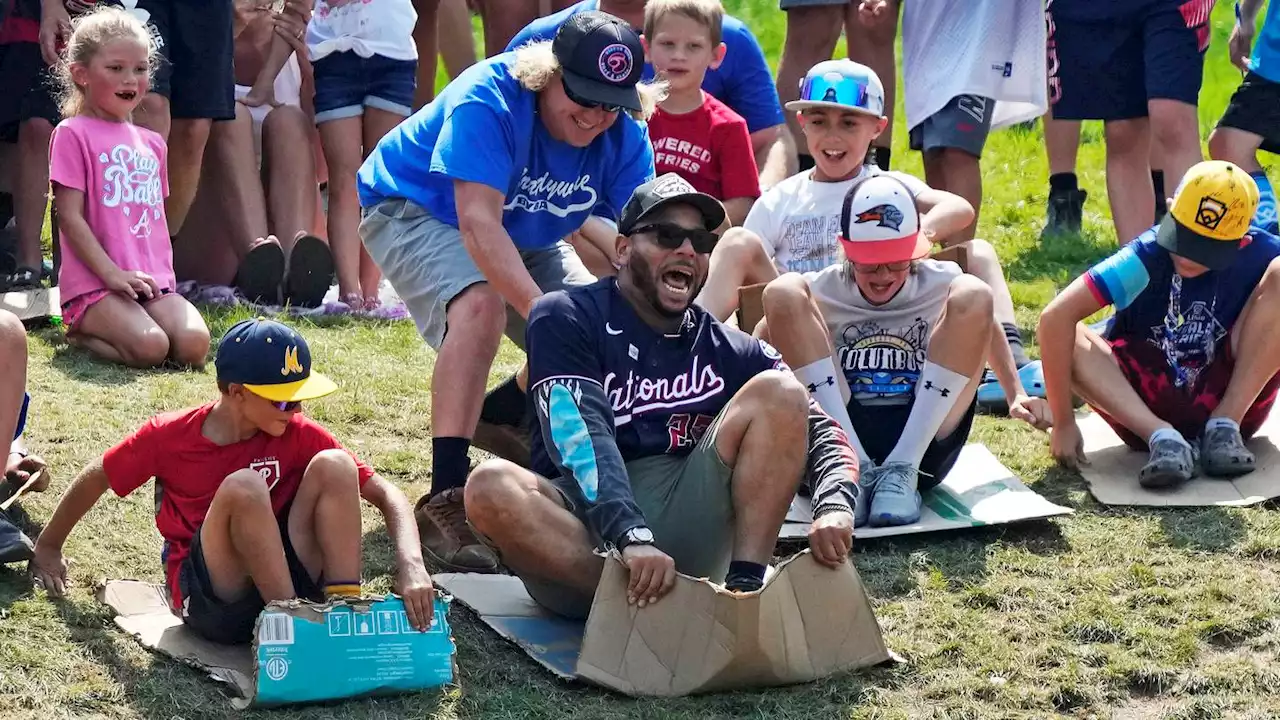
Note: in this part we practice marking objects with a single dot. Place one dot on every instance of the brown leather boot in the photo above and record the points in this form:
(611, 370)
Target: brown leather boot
(447, 539)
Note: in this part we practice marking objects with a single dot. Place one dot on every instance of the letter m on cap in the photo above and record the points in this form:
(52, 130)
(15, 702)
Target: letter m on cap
(291, 364)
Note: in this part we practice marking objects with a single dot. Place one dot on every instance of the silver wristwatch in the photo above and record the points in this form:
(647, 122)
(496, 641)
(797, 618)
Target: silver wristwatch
(636, 536)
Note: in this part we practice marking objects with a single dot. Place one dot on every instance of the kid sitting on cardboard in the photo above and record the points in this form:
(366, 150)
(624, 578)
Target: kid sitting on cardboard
(1189, 367)
(258, 502)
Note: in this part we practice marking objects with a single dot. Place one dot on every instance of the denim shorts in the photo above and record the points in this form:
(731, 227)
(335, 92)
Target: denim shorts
(346, 84)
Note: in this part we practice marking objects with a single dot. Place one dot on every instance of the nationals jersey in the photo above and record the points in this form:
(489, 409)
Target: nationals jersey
(607, 388)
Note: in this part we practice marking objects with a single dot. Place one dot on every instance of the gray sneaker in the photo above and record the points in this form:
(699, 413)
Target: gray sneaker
(1172, 463)
(1223, 454)
(868, 476)
(896, 501)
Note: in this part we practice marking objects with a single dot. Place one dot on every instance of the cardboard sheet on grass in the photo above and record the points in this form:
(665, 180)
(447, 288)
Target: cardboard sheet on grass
(303, 652)
(1112, 472)
(978, 491)
(807, 622)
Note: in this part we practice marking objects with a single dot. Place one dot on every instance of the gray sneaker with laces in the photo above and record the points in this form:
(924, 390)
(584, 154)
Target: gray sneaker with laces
(1223, 454)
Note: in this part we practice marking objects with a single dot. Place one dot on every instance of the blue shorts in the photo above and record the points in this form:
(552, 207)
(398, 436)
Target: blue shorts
(346, 84)
(1108, 67)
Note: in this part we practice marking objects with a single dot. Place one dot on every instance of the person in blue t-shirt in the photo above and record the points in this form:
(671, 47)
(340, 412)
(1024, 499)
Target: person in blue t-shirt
(1191, 363)
(742, 81)
(661, 432)
(465, 206)
(1252, 119)
(20, 465)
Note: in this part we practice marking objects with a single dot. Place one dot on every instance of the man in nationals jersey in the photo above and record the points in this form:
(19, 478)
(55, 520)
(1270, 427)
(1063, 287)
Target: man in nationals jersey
(258, 502)
(660, 431)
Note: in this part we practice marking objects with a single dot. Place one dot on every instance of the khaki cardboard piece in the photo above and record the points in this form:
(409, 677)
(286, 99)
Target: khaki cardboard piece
(978, 491)
(807, 622)
(31, 305)
(1112, 472)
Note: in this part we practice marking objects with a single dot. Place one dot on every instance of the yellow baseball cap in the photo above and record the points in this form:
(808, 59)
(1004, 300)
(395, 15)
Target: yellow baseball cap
(1210, 215)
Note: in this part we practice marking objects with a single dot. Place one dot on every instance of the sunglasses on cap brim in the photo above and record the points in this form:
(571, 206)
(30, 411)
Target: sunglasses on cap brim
(585, 103)
(843, 91)
(672, 237)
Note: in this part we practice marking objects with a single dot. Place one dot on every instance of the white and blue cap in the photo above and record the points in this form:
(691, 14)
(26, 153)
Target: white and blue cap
(841, 85)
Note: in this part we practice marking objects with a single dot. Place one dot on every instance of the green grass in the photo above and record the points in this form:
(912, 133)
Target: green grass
(1128, 613)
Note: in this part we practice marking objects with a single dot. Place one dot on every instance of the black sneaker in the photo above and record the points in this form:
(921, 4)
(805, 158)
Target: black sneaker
(1065, 212)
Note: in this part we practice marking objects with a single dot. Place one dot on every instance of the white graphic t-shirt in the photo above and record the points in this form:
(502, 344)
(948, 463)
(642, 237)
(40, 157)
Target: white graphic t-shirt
(799, 219)
(881, 348)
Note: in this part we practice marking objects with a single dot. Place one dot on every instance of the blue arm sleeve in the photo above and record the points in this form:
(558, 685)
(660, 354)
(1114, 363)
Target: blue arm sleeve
(1121, 278)
(475, 145)
(575, 417)
(748, 85)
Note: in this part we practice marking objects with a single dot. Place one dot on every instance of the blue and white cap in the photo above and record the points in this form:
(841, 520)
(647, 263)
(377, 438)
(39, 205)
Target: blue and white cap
(841, 85)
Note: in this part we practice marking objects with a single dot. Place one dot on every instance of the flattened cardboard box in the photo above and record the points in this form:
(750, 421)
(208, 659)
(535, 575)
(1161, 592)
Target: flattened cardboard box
(302, 652)
(808, 622)
(1112, 472)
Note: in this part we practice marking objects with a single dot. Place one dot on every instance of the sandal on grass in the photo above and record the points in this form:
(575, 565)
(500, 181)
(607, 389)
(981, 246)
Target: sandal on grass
(261, 273)
(309, 273)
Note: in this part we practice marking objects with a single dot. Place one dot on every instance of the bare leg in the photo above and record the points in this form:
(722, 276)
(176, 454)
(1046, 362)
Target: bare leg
(377, 123)
(1098, 379)
(1129, 188)
(874, 47)
(811, 37)
(599, 262)
(342, 139)
(522, 514)
(324, 520)
(424, 37)
(962, 175)
(960, 341)
(503, 19)
(984, 264)
(234, 171)
(1235, 146)
(185, 328)
(120, 330)
(738, 260)
(31, 192)
(13, 371)
(1175, 138)
(1255, 344)
(288, 175)
(476, 320)
(1061, 143)
(457, 44)
(240, 539)
(153, 113)
(764, 438)
(187, 139)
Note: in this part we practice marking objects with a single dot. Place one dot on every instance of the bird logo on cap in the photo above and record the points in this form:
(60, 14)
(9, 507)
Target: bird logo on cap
(884, 215)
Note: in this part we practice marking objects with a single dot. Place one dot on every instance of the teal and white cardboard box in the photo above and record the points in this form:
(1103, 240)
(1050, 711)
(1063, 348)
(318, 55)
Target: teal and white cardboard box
(307, 653)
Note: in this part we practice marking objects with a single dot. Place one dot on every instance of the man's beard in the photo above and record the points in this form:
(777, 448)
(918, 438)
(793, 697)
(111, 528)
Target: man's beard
(645, 279)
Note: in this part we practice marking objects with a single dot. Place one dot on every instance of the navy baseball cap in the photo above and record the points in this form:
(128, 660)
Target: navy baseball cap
(601, 58)
(271, 360)
(664, 190)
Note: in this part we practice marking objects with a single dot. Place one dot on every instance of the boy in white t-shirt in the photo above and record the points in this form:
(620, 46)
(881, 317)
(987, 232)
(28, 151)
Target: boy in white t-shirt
(912, 336)
(793, 227)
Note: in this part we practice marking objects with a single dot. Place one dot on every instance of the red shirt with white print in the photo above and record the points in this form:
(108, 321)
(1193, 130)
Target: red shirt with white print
(709, 147)
(189, 468)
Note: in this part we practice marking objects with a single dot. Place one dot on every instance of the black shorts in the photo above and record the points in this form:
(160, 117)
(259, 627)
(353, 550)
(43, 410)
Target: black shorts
(28, 88)
(1255, 108)
(1106, 65)
(195, 45)
(232, 623)
(879, 427)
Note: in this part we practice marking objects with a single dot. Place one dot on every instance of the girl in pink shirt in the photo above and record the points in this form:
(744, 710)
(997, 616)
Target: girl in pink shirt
(109, 184)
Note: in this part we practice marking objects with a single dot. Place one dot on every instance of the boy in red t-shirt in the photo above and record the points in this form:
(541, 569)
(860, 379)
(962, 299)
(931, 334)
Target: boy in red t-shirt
(694, 135)
(257, 501)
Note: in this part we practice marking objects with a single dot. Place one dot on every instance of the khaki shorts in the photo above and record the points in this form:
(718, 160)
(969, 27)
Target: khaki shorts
(687, 503)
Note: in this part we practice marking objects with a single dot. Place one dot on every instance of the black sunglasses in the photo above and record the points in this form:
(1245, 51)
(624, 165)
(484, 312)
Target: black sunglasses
(672, 237)
(588, 104)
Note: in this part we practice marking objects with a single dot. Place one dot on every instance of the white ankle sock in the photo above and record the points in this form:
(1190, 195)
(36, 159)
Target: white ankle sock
(1217, 422)
(820, 377)
(1167, 434)
(936, 393)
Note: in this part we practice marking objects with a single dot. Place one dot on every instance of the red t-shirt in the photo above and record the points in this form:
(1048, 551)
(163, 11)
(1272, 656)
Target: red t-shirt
(189, 467)
(709, 147)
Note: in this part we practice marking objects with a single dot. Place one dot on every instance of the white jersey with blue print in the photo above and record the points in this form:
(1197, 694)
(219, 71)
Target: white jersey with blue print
(799, 218)
(882, 348)
(607, 388)
(484, 128)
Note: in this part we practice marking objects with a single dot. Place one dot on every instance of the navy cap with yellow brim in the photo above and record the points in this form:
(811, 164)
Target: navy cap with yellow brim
(271, 360)
(1210, 215)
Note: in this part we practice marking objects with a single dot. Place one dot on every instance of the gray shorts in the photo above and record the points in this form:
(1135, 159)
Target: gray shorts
(686, 501)
(425, 261)
(789, 4)
(963, 123)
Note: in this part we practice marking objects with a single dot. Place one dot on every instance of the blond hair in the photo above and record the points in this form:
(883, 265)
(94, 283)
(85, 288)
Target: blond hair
(536, 66)
(105, 24)
(707, 13)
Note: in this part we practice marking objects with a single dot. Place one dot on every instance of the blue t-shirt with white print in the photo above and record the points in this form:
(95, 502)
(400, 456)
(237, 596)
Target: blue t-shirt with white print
(743, 81)
(484, 128)
(1187, 318)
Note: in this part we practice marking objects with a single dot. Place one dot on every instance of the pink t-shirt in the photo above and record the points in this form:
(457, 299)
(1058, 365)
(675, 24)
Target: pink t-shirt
(121, 169)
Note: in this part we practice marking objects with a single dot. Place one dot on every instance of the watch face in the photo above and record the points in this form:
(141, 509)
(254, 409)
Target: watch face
(641, 535)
